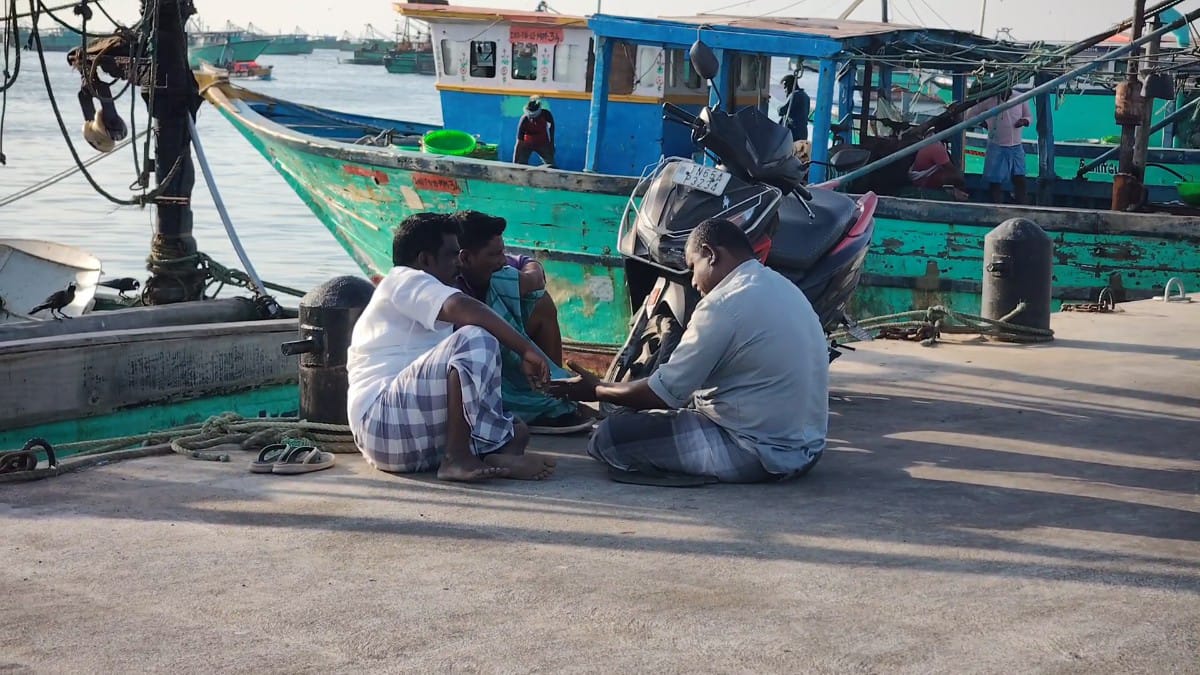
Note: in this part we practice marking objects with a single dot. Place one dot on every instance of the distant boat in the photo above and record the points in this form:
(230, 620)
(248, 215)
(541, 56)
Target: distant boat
(370, 50)
(295, 43)
(224, 47)
(52, 39)
(243, 70)
(413, 53)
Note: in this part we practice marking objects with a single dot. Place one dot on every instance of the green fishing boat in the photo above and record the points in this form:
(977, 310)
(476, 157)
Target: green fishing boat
(410, 63)
(296, 43)
(361, 175)
(52, 39)
(219, 48)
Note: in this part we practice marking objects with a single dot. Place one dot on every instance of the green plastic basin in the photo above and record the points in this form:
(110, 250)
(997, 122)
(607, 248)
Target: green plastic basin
(448, 142)
(1189, 192)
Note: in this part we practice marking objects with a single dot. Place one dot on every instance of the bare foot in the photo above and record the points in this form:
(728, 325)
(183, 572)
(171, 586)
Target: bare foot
(470, 470)
(530, 466)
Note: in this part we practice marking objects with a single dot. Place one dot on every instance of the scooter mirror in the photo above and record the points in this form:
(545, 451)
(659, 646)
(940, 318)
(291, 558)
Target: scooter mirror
(704, 61)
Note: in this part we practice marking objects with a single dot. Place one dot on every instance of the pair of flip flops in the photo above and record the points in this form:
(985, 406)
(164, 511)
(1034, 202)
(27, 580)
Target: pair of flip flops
(291, 459)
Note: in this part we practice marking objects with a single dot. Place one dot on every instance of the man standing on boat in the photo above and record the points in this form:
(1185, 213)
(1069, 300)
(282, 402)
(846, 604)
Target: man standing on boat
(745, 395)
(794, 113)
(1005, 159)
(515, 288)
(535, 133)
(424, 394)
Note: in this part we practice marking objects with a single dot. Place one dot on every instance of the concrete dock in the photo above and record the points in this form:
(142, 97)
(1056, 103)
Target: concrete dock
(982, 507)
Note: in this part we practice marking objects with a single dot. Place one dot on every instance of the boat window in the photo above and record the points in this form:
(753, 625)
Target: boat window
(679, 71)
(483, 58)
(751, 75)
(524, 60)
(448, 59)
(568, 63)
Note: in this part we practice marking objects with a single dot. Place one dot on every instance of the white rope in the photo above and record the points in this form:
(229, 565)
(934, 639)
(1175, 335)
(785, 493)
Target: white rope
(220, 204)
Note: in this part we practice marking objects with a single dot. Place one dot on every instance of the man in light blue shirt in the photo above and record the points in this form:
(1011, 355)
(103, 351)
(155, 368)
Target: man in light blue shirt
(745, 395)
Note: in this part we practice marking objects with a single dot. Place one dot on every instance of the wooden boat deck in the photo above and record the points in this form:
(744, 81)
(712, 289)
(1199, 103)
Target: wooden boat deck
(982, 507)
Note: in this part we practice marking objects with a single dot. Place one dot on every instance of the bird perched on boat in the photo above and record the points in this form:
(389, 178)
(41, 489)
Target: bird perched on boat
(57, 301)
(123, 285)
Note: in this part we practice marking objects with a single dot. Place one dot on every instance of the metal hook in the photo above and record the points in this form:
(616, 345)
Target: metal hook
(1167, 297)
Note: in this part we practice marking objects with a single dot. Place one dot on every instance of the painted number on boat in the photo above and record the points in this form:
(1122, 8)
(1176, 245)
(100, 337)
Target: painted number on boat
(435, 183)
(707, 179)
(531, 34)
(376, 175)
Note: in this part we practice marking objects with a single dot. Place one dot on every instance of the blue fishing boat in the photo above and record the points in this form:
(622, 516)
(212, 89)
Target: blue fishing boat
(606, 79)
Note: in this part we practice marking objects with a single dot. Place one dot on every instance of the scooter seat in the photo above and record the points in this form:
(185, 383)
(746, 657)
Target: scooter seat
(801, 240)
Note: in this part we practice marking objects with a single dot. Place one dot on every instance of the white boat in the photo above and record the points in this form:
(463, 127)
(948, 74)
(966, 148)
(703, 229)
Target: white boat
(31, 270)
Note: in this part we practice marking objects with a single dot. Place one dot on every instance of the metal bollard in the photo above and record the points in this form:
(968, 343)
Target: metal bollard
(1018, 266)
(327, 316)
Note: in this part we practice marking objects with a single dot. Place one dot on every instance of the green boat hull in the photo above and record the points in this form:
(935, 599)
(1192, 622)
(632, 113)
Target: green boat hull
(923, 253)
(286, 45)
(225, 53)
(410, 63)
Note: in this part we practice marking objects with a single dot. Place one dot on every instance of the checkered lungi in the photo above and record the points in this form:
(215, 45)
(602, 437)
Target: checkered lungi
(674, 441)
(405, 429)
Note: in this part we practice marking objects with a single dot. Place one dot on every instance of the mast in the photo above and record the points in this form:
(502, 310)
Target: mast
(173, 97)
(883, 11)
(1127, 186)
(982, 16)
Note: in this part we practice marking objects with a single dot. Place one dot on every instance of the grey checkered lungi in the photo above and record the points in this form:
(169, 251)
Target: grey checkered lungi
(404, 430)
(674, 441)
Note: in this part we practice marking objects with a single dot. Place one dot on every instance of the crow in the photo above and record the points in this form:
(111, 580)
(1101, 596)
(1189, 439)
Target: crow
(123, 285)
(57, 301)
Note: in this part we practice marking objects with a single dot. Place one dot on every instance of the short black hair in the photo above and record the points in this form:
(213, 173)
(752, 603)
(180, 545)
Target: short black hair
(420, 233)
(476, 229)
(722, 233)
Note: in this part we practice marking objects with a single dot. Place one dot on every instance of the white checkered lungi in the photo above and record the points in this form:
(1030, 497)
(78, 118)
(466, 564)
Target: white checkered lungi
(404, 430)
(675, 441)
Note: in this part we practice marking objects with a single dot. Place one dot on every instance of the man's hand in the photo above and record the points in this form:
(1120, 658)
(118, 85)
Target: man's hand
(1021, 123)
(534, 365)
(579, 388)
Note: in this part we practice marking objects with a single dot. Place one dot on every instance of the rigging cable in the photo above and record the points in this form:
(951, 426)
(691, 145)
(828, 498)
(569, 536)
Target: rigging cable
(62, 126)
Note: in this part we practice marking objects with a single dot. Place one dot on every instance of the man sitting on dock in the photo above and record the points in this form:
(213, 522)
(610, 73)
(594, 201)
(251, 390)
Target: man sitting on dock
(515, 288)
(1005, 159)
(743, 398)
(424, 395)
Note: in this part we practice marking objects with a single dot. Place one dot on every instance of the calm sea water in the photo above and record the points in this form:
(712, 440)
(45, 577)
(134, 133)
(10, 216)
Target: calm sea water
(285, 241)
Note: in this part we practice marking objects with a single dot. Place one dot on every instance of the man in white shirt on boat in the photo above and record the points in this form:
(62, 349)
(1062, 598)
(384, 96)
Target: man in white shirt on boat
(745, 395)
(424, 369)
(1005, 159)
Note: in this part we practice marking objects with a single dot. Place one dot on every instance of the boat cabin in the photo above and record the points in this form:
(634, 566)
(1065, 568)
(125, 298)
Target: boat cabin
(489, 62)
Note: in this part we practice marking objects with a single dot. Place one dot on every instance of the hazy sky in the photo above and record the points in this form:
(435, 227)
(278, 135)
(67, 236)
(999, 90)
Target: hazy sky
(1028, 19)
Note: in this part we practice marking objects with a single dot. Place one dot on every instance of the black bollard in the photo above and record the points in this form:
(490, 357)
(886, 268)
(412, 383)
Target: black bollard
(327, 316)
(1018, 266)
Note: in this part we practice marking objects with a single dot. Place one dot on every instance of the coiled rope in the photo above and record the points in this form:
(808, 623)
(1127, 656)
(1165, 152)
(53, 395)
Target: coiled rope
(195, 441)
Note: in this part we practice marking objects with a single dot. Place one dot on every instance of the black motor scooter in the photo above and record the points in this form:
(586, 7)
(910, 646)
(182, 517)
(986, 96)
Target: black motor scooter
(818, 239)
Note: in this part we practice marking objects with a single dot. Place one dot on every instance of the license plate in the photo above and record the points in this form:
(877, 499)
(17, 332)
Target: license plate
(704, 178)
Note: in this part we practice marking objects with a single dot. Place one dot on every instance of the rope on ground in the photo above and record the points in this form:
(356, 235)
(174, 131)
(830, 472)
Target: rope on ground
(927, 325)
(195, 441)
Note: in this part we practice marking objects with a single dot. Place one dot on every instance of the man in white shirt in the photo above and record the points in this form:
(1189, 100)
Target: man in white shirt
(1005, 159)
(745, 395)
(424, 369)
